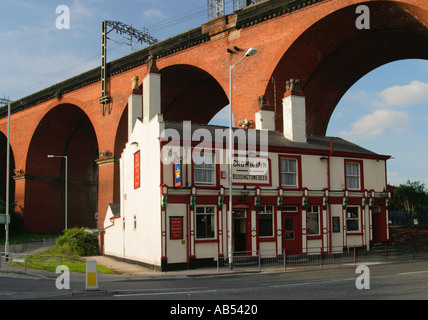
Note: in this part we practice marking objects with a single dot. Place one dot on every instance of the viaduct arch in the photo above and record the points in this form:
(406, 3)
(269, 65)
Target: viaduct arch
(315, 41)
(64, 131)
(337, 54)
(3, 148)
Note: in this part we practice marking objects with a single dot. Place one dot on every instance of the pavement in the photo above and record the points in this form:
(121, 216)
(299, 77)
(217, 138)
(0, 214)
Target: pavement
(108, 283)
(124, 271)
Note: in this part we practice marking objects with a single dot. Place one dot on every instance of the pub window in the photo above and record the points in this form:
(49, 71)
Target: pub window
(352, 175)
(204, 171)
(288, 172)
(353, 219)
(265, 221)
(313, 220)
(205, 222)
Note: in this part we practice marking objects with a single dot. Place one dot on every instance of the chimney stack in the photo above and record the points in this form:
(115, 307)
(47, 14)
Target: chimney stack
(135, 106)
(294, 112)
(151, 91)
(265, 117)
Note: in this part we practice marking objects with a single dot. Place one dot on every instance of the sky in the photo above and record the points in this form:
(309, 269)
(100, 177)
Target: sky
(386, 111)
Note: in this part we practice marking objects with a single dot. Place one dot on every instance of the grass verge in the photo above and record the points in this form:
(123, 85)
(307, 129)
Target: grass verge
(49, 260)
(68, 251)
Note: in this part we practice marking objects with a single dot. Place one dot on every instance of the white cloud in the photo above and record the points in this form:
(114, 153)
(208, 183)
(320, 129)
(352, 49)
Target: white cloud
(358, 96)
(425, 118)
(154, 13)
(403, 96)
(373, 125)
(80, 9)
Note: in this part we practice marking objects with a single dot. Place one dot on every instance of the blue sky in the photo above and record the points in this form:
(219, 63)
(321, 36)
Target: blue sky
(386, 111)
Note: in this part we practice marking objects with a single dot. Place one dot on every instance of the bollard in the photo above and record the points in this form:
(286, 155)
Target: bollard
(91, 276)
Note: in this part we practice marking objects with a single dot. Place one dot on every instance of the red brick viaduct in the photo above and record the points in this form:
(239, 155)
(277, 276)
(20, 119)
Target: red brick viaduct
(316, 41)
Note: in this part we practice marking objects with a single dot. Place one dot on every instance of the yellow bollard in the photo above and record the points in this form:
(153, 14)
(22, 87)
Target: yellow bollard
(91, 276)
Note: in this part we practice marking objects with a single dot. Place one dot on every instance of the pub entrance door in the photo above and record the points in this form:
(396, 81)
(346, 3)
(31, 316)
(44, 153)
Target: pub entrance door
(292, 231)
(239, 231)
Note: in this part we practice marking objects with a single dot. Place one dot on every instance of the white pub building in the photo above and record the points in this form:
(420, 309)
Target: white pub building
(290, 191)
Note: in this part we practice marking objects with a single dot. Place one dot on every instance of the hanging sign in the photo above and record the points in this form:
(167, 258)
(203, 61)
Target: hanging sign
(3, 219)
(177, 174)
(137, 170)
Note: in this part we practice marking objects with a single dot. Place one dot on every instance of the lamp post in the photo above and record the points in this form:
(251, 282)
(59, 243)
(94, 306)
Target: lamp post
(6, 245)
(249, 53)
(66, 184)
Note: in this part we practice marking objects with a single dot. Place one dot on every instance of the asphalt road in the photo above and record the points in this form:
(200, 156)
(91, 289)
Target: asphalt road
(391, 281)
(402, 281)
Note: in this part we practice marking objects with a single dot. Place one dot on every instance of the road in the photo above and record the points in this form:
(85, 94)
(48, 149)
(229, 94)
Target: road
(401, 281)
(391, 281)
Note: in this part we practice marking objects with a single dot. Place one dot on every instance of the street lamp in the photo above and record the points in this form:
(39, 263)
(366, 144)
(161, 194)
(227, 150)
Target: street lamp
(8, 102)
(66, 178)
(249, 53)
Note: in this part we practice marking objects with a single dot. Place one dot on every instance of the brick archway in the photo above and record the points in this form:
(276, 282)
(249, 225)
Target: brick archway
(333, 54)
(64, 130)
(3, 148)
(185, 89)
(315, 41)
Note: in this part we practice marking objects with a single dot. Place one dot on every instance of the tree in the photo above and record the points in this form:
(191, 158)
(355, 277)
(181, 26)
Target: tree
(412, 197)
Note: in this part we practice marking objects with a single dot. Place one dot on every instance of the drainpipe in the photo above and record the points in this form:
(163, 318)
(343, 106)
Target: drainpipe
(329, 186)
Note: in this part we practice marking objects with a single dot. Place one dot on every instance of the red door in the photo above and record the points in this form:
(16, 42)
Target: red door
(292, 232)
(379, 224)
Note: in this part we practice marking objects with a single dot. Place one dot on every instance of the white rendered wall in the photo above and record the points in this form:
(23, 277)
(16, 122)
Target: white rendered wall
(294, 118)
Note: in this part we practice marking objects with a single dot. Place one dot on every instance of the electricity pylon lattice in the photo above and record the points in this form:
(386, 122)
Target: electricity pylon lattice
(122, 29)
(215, 8)
(240, 4)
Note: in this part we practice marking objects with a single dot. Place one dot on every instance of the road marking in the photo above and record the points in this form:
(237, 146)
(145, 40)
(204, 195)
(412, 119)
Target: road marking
(415, 272)
(135, 294)
(315, 282)
(163, 293)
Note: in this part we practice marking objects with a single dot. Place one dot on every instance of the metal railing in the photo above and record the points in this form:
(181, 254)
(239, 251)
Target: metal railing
(27, 246)
(251, 260)
(282, 259)
(23, 259)
(24, 252)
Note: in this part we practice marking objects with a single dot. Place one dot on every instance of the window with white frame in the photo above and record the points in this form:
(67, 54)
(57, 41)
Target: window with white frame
(204, 170)
(265, 221)
(353, 219)
(352, 175)
(313, 221)
(288, 172)
(205, 222)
